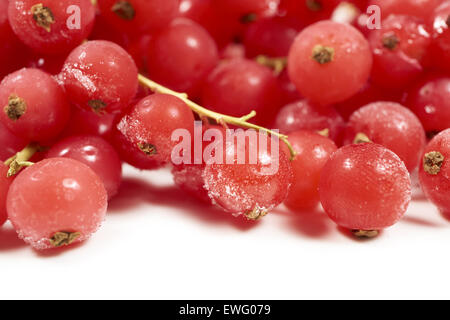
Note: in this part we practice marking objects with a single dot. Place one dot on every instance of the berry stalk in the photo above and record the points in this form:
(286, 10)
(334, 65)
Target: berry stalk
(218, 117)
(20, 160)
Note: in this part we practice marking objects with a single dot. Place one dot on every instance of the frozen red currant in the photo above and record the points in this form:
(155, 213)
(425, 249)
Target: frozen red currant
(252, 178)
(139, 15)
(434, 172)
(418, 8)
(100, 76)
(5, 182)
(150, 124)
(56, 202)
(312, 152)
(429, 99)
(440, 47)
(399, 50)
(319, 62)
(52, 26)
(9, 143)
(181, 56)
(97, 154)
(365, 187)
(304, 115)
(33, 105)
(239, 86)
(391, 125)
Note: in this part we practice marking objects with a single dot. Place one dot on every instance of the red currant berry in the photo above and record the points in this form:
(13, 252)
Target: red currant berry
(289, 92)
(261, 8)
(52, 64)
(434, 174)
(100, 76)
(4, 187)
(391, 125)
(241, 186)
(56, 202)
(34, 106)
(139, 15)
(303, 115)
(181, 56)
(319, 62)
(240, 86)
(88, 123)
(149, 125)
(399, 50)
(365, 187)
(232, 51)
(429, 99)
(440, 48)
(51, 26)
(270, 37)
(309, 11)
(421, 9)
(10, 144)
(103, 30)
(312, 152)
(97, 154)
(138, 49)
(196, 10)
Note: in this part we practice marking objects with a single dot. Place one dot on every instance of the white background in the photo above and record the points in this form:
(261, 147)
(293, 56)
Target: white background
(157, 243)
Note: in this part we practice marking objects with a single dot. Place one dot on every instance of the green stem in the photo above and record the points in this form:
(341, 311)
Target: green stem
(219, 118)
(20, 159)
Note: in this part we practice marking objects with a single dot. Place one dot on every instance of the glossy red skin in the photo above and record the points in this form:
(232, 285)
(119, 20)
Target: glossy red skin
(47, 108)
(301, 10)
(97, 154)
(304, 115)
(313, 151)
(138, 49)
(334, 81)
(181, 56)
(429, 100)
(55, 195)
(232, 51)
(153, 120)
(239, 86)
(10, 144)
(132, 155)
(368, 94)
(103, 30)
(52, 64)
(241, 188)
(4, 187)
(189, 177)
(271, 37)
(61, 38)
(418, 8)
(289, 92)
(396, 68)
(262, 8)
(365, 187)
(440, 48)
(89, 123)
(437, 187)
(100, 70)
(195, 10)
(150, 15)
(392, 126)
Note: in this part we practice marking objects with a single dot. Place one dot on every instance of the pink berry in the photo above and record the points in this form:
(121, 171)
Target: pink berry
(304, 115)
(249, 188)
(399, 51)
(319, 62)
(181, 56)
(56, 202)
(52, 26)
(149, 125)
(33, 105)
(100, 76)
(391, 125)
(4, 187)
(434, 173)
(97, 154)
(429, 99)
(365, 187)
(239, 86)
(313, 151)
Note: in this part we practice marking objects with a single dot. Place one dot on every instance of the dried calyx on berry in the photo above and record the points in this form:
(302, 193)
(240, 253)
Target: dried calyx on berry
(390, 41)
(124, 10)
(322, 54)
(432, 162)
(43, 16)
(16, 107)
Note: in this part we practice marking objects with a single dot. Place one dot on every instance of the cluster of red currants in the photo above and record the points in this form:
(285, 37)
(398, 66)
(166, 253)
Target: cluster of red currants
(77, 100)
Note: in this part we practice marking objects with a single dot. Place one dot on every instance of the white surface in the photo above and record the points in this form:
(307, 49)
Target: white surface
(157, 243)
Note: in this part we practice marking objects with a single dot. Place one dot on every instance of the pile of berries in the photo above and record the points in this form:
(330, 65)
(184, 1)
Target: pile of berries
(358, 101)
